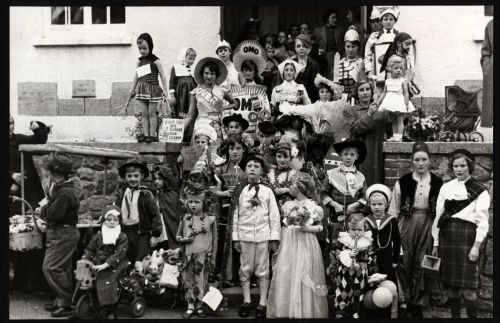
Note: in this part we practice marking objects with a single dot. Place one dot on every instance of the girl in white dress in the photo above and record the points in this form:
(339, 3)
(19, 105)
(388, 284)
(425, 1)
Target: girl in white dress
(395, 96)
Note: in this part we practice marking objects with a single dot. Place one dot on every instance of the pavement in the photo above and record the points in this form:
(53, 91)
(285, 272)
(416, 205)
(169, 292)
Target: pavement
(30, 306)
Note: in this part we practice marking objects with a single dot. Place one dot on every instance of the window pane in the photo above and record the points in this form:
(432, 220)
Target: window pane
(98, 15)
(117, 15)
(58, 15)
(76, 14)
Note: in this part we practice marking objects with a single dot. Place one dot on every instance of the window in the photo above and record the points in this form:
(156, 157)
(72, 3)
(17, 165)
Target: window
(78, 15)
(80, 26)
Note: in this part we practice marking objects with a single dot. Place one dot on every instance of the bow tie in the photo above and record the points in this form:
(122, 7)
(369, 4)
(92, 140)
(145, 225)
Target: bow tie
(387, 31)
(253, 185)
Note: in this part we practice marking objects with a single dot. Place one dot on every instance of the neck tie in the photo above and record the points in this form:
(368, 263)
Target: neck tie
(127, 201)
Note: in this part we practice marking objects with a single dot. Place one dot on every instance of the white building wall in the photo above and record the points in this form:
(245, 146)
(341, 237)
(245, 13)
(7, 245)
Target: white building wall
(448, 48)
(449, 40)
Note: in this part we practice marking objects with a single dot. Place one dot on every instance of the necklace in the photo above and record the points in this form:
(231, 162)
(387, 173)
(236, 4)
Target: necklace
(388, 240)
(190, 225)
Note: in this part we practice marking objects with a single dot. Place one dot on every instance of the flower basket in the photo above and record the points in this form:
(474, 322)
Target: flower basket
(420, 127)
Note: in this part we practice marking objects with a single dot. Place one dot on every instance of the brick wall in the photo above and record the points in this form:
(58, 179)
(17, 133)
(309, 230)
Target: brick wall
(397, 163)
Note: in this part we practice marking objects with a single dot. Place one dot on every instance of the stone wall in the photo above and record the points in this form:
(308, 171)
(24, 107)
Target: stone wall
(397, 163)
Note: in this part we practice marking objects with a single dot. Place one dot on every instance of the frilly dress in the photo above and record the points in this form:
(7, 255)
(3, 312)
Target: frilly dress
(394, 99)
(298, 288)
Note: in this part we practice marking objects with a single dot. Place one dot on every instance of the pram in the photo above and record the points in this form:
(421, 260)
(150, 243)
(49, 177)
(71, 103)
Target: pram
(462, 116)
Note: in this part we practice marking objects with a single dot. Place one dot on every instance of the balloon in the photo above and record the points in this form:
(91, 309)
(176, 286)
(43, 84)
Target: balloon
(368, 300)
(390, 286)
(382, 297)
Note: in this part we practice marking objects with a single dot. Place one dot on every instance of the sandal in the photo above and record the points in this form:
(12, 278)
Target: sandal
(188, 313)
(200, 312)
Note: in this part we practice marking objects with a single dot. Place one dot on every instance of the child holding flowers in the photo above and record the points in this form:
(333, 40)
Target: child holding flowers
(197, 235)
(298, 288)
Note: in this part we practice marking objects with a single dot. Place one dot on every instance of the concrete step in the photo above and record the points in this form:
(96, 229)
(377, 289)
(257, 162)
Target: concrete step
(235, 295)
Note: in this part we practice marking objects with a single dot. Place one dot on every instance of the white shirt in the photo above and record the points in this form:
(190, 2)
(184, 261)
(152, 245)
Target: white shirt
(476, 212)
(287, 91)
(133, 197)
(421, 198)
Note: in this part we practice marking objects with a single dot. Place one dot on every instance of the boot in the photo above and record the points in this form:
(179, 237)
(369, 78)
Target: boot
(471, 308)
(455, 306)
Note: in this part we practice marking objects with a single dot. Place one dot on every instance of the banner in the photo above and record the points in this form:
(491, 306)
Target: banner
(250, 100)
(171, 130)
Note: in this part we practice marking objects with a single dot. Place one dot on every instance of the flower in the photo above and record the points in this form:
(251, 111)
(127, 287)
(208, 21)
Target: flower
(299, 216)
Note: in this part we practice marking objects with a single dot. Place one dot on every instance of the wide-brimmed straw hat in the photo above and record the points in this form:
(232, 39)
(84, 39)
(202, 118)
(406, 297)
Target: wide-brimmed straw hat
(198, 72)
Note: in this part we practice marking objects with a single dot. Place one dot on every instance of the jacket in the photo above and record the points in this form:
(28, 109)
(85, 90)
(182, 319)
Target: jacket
(256, 223)
(320, 34)
(62, 206)
(149, 214)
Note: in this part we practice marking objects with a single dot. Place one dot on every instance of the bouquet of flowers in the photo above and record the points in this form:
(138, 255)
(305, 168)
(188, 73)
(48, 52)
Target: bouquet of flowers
(420, 127)
(298, 217)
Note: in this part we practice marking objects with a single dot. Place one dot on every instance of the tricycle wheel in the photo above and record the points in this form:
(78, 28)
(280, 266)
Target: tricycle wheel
(138, 306)
(87, 307)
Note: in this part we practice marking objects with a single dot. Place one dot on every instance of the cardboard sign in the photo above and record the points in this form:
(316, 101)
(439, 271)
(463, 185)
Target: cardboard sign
(143, 70)
(190, 155)
(171, 130)
(250, 100)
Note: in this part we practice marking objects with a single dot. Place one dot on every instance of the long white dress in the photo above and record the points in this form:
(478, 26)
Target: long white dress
(298, 288)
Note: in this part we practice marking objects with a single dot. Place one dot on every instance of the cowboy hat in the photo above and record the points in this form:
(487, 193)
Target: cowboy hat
(198, 72)
(133, 162)
(350, 143)
(61, 163)
(250, 50)
(236, 117)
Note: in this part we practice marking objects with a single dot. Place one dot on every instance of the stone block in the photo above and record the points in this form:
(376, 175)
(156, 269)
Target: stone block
(119, 94)
(96, 202)
(111, 182)
(37, 98)
(97, 107)
(70, 107)
(84, 89)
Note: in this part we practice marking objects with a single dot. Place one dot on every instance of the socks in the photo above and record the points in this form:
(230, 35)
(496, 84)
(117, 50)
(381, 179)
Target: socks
(264, 286)
(471, 308)
(245, 286)
(455, 306)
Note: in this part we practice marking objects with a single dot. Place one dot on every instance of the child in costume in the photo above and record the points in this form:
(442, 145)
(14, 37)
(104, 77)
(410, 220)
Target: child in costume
(289, 90)
(310, 68)
(256, 228)
(107, 250)
(140, 214)
(298, 288)
(353, 263)
(395, 97)
(197, 235)
(386, 238)
(168, 202)
(345, 186)
(182, 82)
(223, 51)
(146, 89)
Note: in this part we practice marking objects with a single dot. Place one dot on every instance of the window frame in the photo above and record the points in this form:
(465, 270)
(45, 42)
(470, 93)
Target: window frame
(83, 34)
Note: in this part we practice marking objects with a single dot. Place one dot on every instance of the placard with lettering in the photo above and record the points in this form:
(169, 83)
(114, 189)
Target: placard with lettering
(250, 100)
(171, 130)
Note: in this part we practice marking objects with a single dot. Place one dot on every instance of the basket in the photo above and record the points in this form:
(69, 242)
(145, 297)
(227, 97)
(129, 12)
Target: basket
(430, 266)
(24, 241)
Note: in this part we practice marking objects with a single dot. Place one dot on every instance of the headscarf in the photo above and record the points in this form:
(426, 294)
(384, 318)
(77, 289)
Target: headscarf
(182, 55)
(149, 40)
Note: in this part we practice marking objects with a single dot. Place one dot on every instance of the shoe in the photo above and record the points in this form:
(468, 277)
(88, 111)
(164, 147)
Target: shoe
(200, 312)
(141, 138)
(260, 312)
(149, 139)
(244, 310)
(62, 311)
(50, 307)
(187, 314)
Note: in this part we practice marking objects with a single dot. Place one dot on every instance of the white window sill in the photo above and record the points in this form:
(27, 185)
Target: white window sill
(50, 41)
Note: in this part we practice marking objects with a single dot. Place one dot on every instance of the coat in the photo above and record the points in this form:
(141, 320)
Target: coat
(307, 76)
(113, 255)
(487, 66)
(32, 186)
(149, 214)
(320, 34)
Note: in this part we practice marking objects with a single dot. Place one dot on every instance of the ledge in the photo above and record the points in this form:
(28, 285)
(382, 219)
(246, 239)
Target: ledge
(479, 148)
(153, 148)
(54, 42)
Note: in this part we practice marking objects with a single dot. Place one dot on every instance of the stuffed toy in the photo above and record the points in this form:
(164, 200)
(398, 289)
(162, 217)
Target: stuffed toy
(156, 262)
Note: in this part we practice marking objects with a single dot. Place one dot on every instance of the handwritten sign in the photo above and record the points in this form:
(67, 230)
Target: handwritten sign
(250, 100)
(171, 130)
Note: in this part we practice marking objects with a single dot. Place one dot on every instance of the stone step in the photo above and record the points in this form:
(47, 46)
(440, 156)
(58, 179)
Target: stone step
(235, 295)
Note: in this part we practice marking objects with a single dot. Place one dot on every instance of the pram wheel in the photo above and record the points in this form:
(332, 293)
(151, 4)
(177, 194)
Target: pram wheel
(447, 136)
(461, 136)
(138, 307)
(87, 307)
(476, 136)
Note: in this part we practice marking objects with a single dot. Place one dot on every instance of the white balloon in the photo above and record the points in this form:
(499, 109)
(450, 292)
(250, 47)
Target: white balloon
(382, 297)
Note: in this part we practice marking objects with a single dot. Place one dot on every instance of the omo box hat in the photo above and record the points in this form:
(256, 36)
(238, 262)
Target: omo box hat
(250, 50)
